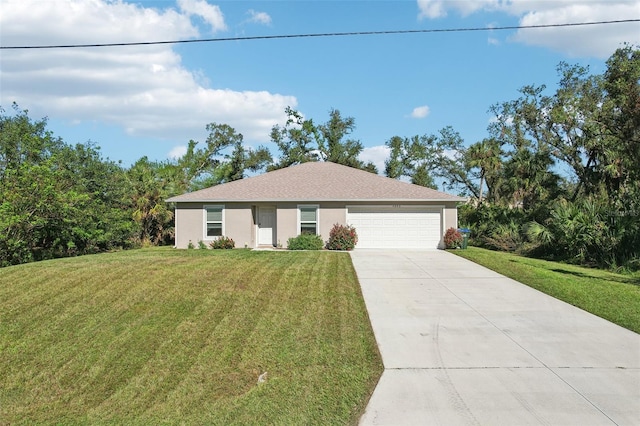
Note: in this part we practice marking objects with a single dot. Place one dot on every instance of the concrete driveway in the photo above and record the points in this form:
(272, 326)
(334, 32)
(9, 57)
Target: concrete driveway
(464, 345)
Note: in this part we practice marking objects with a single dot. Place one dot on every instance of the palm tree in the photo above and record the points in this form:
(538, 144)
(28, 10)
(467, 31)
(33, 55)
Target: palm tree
(529, 178)
(486, 156)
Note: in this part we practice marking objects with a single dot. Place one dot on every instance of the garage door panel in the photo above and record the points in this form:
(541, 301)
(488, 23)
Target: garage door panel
(404, 227)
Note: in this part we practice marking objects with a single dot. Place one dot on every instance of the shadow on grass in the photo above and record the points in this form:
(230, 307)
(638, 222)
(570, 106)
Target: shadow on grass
(619, 279)
(633, 280)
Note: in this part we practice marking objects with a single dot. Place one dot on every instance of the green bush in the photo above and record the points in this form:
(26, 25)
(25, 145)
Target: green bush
(505, 237)
(305, 242)
(452, 238)
(222, 243)
(342, 237)
(587, 233)
(495, 227)
(202, 245)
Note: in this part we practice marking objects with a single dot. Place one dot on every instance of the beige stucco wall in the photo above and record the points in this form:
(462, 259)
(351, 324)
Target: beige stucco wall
(189, 224)
(237, 219)
(240, 220)
(286, 222)
(450, 216)
(239, 224)
(330, 214)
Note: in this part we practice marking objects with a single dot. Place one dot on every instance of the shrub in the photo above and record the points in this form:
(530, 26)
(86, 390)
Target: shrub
(452, 238)
(222, 243)
(505, 237)
(493, 225)
(190, 246)
(342, 237)
(305, 242)
(201, 245)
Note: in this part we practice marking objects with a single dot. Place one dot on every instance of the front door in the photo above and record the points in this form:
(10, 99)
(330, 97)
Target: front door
(266, 225)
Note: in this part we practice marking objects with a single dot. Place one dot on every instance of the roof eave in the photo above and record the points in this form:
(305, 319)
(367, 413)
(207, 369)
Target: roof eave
(316, 200)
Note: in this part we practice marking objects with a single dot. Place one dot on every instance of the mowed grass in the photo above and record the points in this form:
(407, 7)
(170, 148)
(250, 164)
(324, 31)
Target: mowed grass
(164, 336)
(615, 297)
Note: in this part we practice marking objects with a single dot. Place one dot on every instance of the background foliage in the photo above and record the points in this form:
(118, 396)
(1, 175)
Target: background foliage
(557, 176)
(589, 126)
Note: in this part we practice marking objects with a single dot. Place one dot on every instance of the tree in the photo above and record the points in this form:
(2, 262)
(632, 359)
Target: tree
(565, 125)
(239, 161)
(528, 180)
(148, 207)
(590, 125)
(620, 156)
(412, 158)
(620, 115)
(332, 145)
(300, 141)
(37, 214)
(24, 141)
(486, 157)
(56, 199)
(223, 158)
(195, 169)
(106, 221)
(295, 141)
(423, 158)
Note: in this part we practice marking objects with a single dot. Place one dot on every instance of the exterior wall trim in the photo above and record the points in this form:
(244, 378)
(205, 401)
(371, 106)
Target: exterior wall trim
(175, 227)
(317, 207)
(204, 220)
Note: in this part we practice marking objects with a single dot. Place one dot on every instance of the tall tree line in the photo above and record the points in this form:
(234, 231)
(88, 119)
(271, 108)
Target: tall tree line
(557, 175)
(56, 199)
(60, 200)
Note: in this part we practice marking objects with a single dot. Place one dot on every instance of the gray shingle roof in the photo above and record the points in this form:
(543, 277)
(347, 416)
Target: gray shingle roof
(316, 181)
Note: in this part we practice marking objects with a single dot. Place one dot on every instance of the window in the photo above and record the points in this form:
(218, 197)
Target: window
(213, 221)
(308, 220)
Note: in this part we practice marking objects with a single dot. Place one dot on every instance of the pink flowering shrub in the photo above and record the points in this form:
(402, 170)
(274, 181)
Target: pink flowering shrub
(342, 237)
(222, 243)
(452, 238)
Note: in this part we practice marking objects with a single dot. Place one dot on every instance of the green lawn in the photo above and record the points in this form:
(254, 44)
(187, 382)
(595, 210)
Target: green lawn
(180, 336)
(612, 296)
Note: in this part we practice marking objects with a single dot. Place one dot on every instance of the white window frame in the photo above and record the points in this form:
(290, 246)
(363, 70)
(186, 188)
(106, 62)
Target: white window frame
(206, 222)
(315, 206)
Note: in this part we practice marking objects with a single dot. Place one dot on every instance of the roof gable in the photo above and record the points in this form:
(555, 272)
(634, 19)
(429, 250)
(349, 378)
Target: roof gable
(316, 181)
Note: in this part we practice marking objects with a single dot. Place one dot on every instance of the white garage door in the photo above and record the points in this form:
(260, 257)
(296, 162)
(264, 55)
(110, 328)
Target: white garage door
(396, 227)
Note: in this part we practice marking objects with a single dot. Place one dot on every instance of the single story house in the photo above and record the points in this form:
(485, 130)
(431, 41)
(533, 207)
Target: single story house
(268, 209)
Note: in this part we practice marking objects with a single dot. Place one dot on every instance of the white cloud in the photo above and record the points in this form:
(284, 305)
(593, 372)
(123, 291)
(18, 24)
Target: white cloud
(210, 13)
(597, 40)
(431, 9)
(377, 155)
(259, 17)
(144, 89)
(177, 152)
(97, 21)
(420, 112)
(593, 40)
(438, 8)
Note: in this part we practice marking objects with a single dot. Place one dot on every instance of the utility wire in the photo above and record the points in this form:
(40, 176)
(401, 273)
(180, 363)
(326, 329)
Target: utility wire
(338, 34)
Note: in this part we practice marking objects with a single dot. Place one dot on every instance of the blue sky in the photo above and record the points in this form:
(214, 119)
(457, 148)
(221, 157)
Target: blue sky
(151, 100)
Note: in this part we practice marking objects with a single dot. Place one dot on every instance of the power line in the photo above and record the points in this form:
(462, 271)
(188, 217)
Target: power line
(337, 34)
